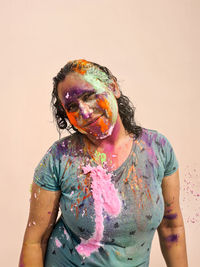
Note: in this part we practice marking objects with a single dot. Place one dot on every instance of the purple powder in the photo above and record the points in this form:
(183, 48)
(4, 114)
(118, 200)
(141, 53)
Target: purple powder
(172, 238)
(170, 216)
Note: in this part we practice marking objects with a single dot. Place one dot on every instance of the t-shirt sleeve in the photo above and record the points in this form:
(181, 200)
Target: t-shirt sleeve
(46, 174)
(170, 163)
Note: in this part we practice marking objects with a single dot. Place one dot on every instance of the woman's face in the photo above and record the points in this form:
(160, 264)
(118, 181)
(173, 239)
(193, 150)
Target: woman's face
(90, 105)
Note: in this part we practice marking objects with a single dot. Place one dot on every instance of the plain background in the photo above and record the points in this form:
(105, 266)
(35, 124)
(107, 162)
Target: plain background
(152, 47)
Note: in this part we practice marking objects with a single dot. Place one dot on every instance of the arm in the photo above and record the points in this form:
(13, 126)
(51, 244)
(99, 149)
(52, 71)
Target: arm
(44, 206)
(171, 230)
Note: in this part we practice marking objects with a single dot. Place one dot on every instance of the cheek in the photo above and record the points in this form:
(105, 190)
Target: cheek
(105, 105)
(72, 118)
(109, 104)
(103, 126)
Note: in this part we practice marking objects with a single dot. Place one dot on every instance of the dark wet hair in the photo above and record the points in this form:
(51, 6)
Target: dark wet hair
(125, 106)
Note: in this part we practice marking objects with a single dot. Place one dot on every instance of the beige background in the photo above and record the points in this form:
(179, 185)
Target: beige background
(152, 47)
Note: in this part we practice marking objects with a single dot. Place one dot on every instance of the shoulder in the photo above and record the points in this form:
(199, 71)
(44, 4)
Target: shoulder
(152, 136)
(62, 149)
(162, 148)
(67, 144)
(157, 141)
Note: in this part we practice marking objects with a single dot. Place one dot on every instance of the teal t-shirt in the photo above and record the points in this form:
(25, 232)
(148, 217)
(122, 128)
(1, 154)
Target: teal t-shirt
(125, 239)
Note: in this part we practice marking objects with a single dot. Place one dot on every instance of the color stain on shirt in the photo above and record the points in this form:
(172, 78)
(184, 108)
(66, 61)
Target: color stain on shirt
(105, 197)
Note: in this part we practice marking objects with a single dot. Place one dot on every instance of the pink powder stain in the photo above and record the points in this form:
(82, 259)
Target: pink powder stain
(66, 234)
(105, 197)
(58, 243)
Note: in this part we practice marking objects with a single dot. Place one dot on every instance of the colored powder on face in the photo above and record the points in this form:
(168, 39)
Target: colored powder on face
(80, 66)
(172, 238)
(76, 92)
(105, 197)
(101, 83)
(85, 111)
(98, 79)
(103, 125)
(58, 244)
(170, 216)
(71, 116)
(90, 72)
(103, 103)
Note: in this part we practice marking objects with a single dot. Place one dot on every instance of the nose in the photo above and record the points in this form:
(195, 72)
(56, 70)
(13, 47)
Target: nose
(85, 110)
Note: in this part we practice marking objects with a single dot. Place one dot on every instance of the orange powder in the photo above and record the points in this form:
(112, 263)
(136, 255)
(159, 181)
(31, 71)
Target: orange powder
(72, 118)
(103, 125)
(81, 66)
(103, 103)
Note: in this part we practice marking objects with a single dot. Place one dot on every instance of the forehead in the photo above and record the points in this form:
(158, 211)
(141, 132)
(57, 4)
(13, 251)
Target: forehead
(75, 84)
(72, 80)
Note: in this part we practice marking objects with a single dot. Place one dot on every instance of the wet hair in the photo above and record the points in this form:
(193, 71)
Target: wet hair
(125, 107)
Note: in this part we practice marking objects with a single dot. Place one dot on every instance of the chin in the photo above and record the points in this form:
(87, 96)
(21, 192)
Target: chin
(81, 131)
(104, 135)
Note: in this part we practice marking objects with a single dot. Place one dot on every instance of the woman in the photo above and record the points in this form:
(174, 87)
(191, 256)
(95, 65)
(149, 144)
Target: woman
(115, 182)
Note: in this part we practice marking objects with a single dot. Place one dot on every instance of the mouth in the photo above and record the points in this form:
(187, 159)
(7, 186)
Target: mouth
(93, 120)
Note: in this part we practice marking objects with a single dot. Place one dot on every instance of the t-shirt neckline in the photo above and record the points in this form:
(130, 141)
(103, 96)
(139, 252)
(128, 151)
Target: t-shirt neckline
(121, 166)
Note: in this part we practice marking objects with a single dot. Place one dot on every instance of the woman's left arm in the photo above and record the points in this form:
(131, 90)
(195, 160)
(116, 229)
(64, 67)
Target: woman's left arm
(171, 230)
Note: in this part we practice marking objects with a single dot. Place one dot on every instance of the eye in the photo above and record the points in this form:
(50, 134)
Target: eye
(88, 96)
(72, 107)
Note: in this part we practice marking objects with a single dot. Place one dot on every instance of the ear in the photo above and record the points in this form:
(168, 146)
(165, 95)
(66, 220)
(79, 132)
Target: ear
(115, 89)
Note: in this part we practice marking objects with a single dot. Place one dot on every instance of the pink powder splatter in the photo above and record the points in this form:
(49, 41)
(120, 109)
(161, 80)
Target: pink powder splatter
(66, 234)
(191, 195)
(58, 244)
(105, 197)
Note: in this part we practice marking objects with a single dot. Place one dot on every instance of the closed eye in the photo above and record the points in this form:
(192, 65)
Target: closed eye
(72, 107)
(88, 96)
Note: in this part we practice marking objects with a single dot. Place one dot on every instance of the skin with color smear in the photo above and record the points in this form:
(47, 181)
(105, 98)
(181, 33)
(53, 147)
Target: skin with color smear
(170, 216)
(172, 238)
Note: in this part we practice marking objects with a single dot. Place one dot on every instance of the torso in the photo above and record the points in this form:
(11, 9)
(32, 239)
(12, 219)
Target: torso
(137, 178)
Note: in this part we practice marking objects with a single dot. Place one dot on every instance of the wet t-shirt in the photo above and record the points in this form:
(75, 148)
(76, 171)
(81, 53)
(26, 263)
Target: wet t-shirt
(107, 218)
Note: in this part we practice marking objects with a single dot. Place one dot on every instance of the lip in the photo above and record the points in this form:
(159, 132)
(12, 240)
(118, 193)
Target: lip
(92, 121)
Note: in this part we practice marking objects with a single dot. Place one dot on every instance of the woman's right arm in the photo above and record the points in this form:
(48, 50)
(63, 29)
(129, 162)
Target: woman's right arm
(44, 205)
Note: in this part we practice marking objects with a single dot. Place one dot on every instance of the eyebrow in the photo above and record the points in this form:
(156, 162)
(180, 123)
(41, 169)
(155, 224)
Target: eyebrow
(74, 93)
